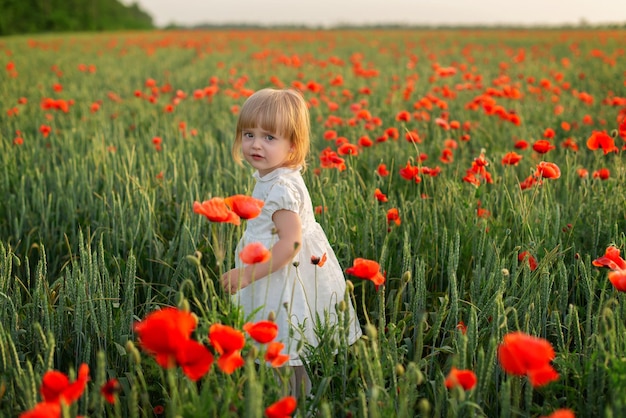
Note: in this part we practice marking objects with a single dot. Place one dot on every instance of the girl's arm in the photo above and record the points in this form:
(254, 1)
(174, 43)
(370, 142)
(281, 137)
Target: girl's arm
(289, 231)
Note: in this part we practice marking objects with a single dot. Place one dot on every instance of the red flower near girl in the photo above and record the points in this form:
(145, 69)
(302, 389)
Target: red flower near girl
(262, 332)
(273, 354)
(464, 378)
(246, 207)
(255, 253)
(56, 386)
(281, 409)
(613, 260)
(43, 410)
(166, 334)
(110, 389)
(319, 261)
(216, 210)
(532, 262)
(521, 354)
(368, 270)
(228, 342)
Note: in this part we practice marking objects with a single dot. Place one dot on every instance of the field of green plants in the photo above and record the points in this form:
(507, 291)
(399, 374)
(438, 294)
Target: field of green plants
(482, 170)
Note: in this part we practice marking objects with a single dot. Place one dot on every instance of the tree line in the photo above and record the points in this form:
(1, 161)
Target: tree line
(36, 16)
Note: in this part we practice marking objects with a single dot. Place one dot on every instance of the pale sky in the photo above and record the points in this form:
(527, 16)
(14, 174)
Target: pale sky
(432, 12)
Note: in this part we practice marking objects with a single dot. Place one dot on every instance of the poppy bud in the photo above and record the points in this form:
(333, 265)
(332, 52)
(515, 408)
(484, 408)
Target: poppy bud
(371, 331)
(341, 306)
(614, 133)
(349, 286)
(133, 352)
(406, 277)
(252, 353)
(505, 272)
(271, 316)
(184, 305)
(424, 406)
(399, 369)
(195, 261)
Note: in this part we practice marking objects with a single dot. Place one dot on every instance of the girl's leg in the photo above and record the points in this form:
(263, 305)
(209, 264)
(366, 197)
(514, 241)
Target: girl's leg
(299, 382)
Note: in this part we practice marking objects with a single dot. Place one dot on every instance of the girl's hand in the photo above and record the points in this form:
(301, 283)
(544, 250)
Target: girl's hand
(234, 280)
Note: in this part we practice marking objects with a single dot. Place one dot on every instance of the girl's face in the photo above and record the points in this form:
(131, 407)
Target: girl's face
(265, 151)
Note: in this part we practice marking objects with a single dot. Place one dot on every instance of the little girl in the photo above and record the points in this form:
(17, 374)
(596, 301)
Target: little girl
(302, 282)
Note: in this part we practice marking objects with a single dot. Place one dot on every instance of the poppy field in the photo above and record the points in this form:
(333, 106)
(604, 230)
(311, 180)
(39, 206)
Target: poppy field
(471, 183)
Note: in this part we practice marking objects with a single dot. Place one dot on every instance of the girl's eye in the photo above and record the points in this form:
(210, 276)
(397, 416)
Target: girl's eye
(269, 137)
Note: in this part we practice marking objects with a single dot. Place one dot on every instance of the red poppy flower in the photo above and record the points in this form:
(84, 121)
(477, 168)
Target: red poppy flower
(393, 216)
(410, 172)
(511, 158)
(548, 170)
(602, 174)
(380, 196)
(262, 332)
(45, 130)
(618, 279)
(273, 355)
(330, 159)
(281, 409)
(365, 141)
(228, 343)
(413, 136)
(319, 261)
(194, 359)
(549, 133)
(611, 259)
(542, 146)
(528, 182)
(582, 172)
(348, 149)
(366, 269)
(246, 207)
(392, 133)
(56, 386)
(561, 413)
(446, 156)
(162, 333)
(216, 210)
(382, 170)
(570, 143)
(255, 253)
(111, 388)
(521, 144)
(532, 262)
(403, 116)
(43, 410)
(600, 139)
(521, 354)
(464, 378)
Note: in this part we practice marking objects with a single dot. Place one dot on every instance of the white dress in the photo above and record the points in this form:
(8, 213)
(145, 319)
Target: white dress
(300, 292)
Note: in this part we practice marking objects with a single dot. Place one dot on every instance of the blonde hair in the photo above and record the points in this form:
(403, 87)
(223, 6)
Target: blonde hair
(283, 112)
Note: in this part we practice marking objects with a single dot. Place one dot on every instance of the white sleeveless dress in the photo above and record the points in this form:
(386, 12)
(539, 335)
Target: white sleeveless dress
(300, 292)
